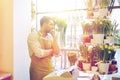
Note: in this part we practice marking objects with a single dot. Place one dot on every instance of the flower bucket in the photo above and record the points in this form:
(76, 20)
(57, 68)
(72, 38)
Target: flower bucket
(103, 68)
(109, 40)
(86, 66)
(103, 12)
(98, 38)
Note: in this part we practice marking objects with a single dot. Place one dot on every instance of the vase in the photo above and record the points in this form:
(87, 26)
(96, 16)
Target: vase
(86, 66)
(72, 58)
(98, 38)
(103, 68)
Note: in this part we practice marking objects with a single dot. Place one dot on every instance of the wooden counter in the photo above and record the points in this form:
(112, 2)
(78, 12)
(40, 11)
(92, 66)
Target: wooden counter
(5, 76)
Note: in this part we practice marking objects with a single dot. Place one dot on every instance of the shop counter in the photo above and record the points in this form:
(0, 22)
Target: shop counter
(79, 75)
(5, 76)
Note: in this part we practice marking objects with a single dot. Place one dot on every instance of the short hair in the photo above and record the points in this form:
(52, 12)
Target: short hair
(45, 19)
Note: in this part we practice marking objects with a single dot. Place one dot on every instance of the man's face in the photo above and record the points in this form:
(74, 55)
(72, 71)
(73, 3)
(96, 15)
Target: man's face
(50, 26)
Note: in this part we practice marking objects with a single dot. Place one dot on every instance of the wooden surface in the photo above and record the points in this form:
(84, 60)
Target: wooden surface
(5, 75)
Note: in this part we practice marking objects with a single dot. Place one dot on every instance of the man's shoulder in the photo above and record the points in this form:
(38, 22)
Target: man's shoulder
(32, 35)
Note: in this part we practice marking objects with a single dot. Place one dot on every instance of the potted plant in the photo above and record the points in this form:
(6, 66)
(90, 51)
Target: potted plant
(117, 37)
(105, 54)
(104, 3)
(87, 31)
(103, 7)
(110, 28)
(98, 30)
(87, 27)
(86, 57)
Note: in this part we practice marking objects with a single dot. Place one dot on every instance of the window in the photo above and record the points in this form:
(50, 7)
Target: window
(73, 11)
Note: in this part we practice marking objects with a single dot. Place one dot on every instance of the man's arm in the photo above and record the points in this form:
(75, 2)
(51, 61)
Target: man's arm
(35, 47)
(56, 50)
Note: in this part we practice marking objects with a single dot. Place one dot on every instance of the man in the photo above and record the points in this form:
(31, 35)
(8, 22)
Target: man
(42, 46)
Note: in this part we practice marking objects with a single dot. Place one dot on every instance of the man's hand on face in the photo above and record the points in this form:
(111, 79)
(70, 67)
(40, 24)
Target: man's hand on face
(52, 32)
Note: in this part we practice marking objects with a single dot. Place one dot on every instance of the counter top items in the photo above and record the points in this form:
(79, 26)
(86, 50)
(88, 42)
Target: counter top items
(66, 74)
(96, 77)
(73, 73)
(98, 58)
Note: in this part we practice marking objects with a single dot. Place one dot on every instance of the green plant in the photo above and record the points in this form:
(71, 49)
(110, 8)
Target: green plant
(98, 26)
(106, 52)
(107, 26)
(90, 4)
(104, 3)
(60, 22)
(62, 25)
(110, 27)
(114, 27)
(104, 26)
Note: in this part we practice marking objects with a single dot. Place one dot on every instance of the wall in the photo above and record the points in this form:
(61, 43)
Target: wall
(6, 35)
(13, 37)
(22, 24)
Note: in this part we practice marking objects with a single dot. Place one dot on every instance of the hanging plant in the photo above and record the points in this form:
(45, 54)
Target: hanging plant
(104, 3)
(62, 25)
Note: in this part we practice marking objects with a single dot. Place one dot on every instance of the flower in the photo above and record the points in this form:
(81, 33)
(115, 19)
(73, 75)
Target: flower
(104, 26)
(98, 26)
(87, 27)
(85, 52)
(106, 52)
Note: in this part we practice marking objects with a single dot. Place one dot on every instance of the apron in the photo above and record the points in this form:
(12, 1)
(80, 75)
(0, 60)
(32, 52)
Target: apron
(40, 67)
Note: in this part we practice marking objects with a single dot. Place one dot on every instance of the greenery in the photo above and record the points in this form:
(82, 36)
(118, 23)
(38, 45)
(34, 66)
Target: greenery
(113, 28)
(98, 26)
(60, 22)
(61, 28)
(99, 53)
(104, 3)
(106, 52)
(104, 26)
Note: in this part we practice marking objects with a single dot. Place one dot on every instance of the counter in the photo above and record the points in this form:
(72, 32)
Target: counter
(5, 76)
(80, 75)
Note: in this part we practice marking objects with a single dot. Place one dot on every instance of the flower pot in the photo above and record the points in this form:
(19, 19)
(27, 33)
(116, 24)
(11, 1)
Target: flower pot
(96, 14)
(94, 68)
(103, 68)
(98, 38)
(86, 38)
(109, 40)
(103, 12)
(86, 66)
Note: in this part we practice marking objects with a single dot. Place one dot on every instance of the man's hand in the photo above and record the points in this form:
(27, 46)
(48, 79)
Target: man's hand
(52, 32)
(55, 46)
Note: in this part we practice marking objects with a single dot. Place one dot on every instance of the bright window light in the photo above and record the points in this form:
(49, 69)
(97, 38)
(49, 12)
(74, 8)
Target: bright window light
(57, 5)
